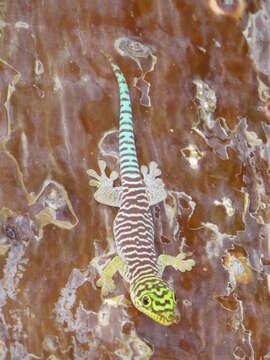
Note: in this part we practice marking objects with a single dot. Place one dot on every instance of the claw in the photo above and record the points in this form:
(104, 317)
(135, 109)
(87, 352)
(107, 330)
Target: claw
(144, 170)
(153, 165)
(181, 256)
(102, 166)
(114, 175)
(94, 183)
(93, 173)
(154, 169)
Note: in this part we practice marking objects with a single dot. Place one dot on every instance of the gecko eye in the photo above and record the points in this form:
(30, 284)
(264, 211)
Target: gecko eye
(146, 300)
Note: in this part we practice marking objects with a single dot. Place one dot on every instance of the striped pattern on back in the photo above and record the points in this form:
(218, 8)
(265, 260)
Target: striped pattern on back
(133, 225)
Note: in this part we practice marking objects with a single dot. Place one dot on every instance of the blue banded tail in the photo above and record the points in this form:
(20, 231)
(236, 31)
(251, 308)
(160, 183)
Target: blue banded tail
(129, 167)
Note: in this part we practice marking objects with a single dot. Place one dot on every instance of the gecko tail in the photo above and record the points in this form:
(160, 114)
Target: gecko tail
(129, 167)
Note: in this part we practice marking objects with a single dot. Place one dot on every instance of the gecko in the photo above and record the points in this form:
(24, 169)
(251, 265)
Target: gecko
(133, 227)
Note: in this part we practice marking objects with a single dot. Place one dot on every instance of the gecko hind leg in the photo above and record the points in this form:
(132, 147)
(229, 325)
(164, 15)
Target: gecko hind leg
(178, 262)
(106, 193)
(155, 186)
(106, 279)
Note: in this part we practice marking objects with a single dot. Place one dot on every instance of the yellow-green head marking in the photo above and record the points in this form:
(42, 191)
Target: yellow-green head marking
(156, 299)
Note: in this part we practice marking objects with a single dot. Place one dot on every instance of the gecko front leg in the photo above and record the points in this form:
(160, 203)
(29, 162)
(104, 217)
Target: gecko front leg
(106, 194)
(178, 262)
(154, 185)
(106, 280)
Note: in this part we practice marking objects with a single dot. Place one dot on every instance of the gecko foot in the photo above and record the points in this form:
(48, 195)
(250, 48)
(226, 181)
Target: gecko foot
(152, 174)
(106, 193)
(154, 184)
(183, 265)
(107, 285)
(102, 179)
(177, 262)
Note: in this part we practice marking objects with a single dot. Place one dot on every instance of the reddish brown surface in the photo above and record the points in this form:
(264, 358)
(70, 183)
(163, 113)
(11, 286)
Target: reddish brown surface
(50, 129)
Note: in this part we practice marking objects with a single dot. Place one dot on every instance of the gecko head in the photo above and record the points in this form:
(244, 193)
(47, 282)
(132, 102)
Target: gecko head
(156, 299)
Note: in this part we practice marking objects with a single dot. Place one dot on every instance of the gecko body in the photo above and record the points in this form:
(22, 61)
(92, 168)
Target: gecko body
(133, 227)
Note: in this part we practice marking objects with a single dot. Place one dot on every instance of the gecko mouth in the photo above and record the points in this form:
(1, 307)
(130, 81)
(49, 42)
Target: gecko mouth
(165, 321)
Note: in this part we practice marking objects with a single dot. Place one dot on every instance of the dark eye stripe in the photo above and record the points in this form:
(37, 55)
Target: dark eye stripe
(159, 295)
(161, 292)
(163, 301)
(146, 287)
(162, 306)
(163, 311)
